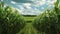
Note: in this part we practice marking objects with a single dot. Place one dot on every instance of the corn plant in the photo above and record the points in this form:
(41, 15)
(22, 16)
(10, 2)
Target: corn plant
(49, 21)
(46, 22)
(57, 10)
(11, 22)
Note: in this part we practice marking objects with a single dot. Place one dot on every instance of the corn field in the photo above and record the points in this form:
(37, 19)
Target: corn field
(13, 22)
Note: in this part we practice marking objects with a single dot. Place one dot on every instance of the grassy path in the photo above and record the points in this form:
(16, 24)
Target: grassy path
(28, 29)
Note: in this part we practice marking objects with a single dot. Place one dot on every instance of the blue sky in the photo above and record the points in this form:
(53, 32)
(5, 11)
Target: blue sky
(30, 7)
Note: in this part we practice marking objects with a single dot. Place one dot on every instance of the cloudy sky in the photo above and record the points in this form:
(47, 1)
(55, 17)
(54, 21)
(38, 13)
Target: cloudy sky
(30, 7)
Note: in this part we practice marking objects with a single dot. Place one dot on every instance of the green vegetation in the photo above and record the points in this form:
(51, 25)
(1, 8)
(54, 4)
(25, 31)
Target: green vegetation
(49, 21)
(11, 22)
(29, 19)
(46, 22)
(29, 29)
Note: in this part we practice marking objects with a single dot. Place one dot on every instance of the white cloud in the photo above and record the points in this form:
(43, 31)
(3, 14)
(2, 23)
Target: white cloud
(1, 0)
(20, 7)
(51, 2)
(33, 10)
(43, 0)
(27, 5)
(40, 3)
(13, 2)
